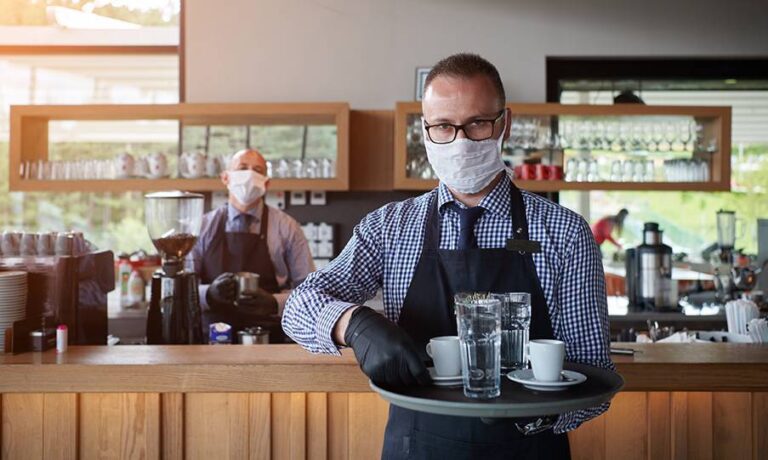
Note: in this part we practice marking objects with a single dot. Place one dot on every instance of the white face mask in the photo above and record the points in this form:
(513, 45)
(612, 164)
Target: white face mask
(247, 186)
(464, 165)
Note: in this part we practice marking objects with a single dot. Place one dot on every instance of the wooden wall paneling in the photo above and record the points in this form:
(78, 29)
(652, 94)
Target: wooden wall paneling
(281, 426)
(759, 425)
(317, 426)
(659, 426)
(626, 427)
(338, 421)
(679, 425)
(371, 150)
(732, 425)
(367, 420)
(216, 425)
(172, 426)
(119, 426)
(699, 426)
(298, 426)
(259, 431)
(588, 441)
(60, 416)
(22, 426)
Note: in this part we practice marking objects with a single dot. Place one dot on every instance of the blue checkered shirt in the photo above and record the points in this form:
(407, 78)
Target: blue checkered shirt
(385, 248)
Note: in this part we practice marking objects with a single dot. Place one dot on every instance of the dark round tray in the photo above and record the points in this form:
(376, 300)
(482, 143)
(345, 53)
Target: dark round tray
(515, 399)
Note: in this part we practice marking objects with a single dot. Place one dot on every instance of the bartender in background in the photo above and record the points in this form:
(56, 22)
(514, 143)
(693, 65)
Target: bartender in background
(603, 228)
(247, 235)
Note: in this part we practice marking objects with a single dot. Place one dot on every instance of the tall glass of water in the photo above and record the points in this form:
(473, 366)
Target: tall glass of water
(515, 324)
(478, 319)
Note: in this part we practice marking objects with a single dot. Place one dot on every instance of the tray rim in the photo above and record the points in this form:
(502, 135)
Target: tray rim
(480, 409)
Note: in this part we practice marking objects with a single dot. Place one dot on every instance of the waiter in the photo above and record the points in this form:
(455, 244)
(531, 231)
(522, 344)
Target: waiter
(423, 250)
(247, 235)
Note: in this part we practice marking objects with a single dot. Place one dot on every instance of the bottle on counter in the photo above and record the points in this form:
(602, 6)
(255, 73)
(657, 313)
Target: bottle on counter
(123, 278)
(154, 313)
(136, 288)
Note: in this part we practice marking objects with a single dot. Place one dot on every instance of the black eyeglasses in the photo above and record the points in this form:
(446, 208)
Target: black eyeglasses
(476, 130)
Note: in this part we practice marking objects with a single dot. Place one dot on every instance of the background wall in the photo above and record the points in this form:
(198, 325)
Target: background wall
(366, 51)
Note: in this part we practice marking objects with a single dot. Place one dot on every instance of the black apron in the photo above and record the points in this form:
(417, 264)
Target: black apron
(428, 312)
(241, 252)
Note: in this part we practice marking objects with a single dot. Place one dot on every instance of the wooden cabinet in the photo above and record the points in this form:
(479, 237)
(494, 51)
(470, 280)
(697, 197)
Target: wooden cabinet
(662, 140)
(30, 142)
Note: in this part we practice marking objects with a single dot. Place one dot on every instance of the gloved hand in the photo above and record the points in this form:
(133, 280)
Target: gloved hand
(261, 304)
(384, 351)
(222, 292)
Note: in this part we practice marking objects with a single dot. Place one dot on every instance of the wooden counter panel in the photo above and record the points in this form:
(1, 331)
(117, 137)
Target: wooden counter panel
(639, 425)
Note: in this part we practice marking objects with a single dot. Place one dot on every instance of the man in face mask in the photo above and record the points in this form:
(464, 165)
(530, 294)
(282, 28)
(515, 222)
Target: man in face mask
(475, 232)
(246, 235)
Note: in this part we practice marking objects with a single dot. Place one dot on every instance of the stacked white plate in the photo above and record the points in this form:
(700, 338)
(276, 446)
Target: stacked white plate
(13, 301)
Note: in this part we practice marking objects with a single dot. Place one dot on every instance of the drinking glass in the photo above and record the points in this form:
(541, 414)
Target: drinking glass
(515, 323)
(478, 319)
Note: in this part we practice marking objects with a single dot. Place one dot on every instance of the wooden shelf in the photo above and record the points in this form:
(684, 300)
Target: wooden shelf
(146, 185)
(718, 125)
(30, 124)
(556, 186)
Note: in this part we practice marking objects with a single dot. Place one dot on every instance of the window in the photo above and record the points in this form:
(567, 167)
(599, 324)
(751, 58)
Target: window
(687, 218)
(83, 53)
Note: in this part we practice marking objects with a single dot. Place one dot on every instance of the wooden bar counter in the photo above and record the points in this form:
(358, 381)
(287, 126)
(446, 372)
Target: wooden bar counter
(680, 401)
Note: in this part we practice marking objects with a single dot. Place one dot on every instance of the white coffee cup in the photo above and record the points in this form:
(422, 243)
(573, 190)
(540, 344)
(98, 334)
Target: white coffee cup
(444, 351)
(546, 359)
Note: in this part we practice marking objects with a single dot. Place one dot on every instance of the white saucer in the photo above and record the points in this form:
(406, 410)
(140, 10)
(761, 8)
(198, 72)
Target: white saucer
(442, 378)
(449, 384)
(525, 377)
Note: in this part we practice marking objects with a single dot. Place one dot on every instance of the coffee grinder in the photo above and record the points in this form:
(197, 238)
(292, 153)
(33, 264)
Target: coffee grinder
(173, 220)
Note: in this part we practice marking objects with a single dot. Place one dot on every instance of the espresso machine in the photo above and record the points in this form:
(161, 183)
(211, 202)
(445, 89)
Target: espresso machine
(173, 220)
(649, 273)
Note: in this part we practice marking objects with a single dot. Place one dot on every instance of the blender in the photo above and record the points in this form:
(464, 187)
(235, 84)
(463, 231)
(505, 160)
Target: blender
(173, 221)
(726, 239)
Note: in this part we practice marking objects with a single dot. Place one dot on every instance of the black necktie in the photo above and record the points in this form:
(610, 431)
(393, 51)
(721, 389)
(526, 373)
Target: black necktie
(467, 219)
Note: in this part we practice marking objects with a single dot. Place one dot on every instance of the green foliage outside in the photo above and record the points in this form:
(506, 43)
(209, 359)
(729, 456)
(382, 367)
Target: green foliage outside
(688, 218)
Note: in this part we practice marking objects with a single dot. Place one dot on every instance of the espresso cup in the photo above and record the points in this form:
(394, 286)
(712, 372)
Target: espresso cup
(28, 244)
(546, 359)
(527, 171)
(541, 171)
(46, 243)
(10, 243)
(65, 244)
(556, 172)
(444, 352)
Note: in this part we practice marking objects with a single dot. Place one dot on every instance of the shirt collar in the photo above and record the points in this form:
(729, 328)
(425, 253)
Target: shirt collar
(496, 202)
(255, 211)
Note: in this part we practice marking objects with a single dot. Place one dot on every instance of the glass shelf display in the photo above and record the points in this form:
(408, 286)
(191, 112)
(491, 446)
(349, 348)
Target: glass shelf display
(176, 146)
(619, 147)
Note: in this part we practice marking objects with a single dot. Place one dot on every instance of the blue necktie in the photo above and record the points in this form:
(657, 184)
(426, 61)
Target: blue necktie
(467, 219)
(243, 222)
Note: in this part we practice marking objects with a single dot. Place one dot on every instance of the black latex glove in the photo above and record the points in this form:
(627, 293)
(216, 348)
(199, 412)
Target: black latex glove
(222, 292)
(386, 354)
(261, 304)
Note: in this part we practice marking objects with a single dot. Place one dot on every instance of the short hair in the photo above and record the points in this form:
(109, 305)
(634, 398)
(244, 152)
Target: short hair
(467, 65)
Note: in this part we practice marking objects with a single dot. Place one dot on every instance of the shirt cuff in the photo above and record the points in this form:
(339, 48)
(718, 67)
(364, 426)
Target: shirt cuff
(202, 291)
(327, 320)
